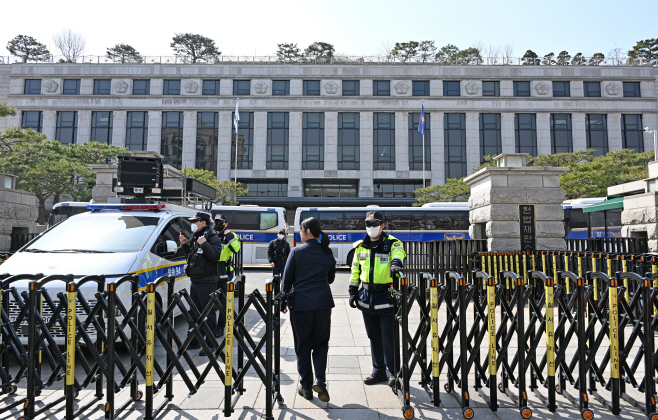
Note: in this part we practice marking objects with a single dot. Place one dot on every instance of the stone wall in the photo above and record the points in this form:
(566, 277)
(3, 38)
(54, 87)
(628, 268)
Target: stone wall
(639, 218)
(18, 209)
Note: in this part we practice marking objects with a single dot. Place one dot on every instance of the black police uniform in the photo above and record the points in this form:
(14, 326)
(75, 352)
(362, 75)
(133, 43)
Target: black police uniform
(202, 267)
(310, 271)
(277, 252)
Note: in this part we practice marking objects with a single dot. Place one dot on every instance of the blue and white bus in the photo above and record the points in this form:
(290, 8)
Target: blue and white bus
(256, 226)
(345, 225)
(596, 224)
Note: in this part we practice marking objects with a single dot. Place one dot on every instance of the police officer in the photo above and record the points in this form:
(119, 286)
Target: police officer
(376, 260)
(202, 257)
(230, 246)
(277, 252)
(310, 270)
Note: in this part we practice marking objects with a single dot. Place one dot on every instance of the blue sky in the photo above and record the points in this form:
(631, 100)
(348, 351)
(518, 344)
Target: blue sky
(356, 27)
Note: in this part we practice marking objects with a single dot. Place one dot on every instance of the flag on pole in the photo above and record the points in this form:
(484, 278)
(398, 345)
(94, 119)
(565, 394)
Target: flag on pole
(421, 121)
(237, 117)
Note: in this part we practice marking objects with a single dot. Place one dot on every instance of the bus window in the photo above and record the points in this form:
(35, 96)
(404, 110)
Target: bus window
(397, 220)
(268, 220)
(597, 224)
(355, 220)
(248, 220)
(445, 220)
(331, 220)
(306, 214)
(613, 223)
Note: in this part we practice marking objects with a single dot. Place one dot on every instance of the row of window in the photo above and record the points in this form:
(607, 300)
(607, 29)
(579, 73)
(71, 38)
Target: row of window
(312, 88)
(349, 151)
(382, 188)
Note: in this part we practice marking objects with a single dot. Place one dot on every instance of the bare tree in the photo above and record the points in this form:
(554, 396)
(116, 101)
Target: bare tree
(492, 54)
(618, 56)
(386, 50)
(508, 53)
(70, 44)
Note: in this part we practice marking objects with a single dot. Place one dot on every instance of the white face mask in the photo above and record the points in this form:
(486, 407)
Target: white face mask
(373, 231)
(194, 227)
(280, 236)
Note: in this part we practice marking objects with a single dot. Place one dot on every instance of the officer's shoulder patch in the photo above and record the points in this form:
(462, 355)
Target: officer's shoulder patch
(357, 243)
(397, 244)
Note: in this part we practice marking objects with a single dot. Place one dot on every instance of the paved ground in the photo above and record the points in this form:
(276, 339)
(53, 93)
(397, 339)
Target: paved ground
(349, 363)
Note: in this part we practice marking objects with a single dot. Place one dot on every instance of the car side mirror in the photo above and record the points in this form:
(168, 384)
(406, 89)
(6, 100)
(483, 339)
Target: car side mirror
(172, 248)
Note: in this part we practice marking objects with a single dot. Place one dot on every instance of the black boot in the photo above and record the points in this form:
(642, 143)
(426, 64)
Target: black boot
(321, 388)
(306, 393)
(375, 378)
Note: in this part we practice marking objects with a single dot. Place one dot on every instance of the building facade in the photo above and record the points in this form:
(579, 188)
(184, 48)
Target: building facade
(313, 135)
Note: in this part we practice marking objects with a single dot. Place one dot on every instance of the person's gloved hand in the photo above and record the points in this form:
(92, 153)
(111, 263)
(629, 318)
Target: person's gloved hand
(354, 291)
(396, 266)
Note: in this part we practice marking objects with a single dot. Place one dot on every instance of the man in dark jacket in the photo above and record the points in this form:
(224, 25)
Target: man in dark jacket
(277, 253)
(202, 257)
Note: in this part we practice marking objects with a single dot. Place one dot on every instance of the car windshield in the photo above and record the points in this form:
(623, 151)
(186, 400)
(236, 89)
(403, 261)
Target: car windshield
(97, 233)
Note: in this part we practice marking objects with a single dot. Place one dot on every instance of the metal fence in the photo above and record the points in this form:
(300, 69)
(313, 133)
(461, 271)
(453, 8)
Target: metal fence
(18, 240)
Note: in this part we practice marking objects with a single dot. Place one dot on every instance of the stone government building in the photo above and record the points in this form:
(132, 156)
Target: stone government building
(314, 135)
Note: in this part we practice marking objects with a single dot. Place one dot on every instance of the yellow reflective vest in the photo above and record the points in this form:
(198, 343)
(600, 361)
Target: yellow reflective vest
(374, 265)
(231, 245)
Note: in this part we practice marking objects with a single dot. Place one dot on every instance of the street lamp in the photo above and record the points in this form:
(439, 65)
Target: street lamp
(655, 142)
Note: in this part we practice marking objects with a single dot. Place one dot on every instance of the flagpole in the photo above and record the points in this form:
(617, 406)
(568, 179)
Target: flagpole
(235, 174)
(424, 150)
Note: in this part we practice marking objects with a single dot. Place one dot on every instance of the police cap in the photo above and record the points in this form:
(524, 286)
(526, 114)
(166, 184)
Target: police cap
(221, 218)
(200, 216)
(375, 216)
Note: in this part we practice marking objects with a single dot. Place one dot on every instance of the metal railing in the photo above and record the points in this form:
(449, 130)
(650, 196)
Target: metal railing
(18, 240)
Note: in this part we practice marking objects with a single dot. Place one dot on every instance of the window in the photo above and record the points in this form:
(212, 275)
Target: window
(525, 132)
(351, 88)
(266, 188)
(490, 136)
(281, 87)
(137, 126)
(311, 88)
(331, 188)
(142, 87)
(390, 188)
(454, 131)
(596, 126)
(32, 87)
(592, 89)
(67, 127)
(210, 87)
(384, 141)
(438, 220)
(71, 87)
(561, 89)
(521, 88)
(348, 140)
(329, 220)
(172, 139)
(421, 88)
(33, 120)
(245, 140)
(313, 140)
(490, 88)
(416, 143)
(632, 135)
(102, 87)
(277, 140)
(101, 127)
(249, 220)
(451, 88)
(561, 141)
(170, 233)
(381, 88)
(242, 87)
(171, 87)
(631, 89)
(207, 138)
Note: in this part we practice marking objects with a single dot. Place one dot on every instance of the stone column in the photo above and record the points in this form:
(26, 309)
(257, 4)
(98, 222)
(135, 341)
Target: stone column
(295, 187)
(614, 131)
(49, 123)
(260, 141)
(189, 140)
(472, 141)
(640, 214)
(104, 176)
(497, 193)
(331, 141)
(154, 140)
(84, 127)
(437, 149)
(578, 131)
(365, 147)
(543, 133)
(507, 134)
(225, 135)
(119, 120)
(401, 144)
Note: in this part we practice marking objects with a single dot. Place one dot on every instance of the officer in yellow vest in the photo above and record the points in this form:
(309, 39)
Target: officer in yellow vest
(225, 270)
(377, 259)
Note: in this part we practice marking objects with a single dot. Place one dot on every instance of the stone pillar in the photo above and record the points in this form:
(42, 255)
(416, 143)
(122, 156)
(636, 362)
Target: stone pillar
(640, 214)
(543, 133)
(104, 176)
(49, 123)
(614, 131)
(507, 135)
(331, 141)
(260, 141)
(578, 133)
(119, 120)
(437, 149)
(154, 139)
(18, 209)
(472, 141)
(401, 143)
(189, 139)
(295, 187)
(365, 147)
(84, 127)
(225, 134)
(497, 193)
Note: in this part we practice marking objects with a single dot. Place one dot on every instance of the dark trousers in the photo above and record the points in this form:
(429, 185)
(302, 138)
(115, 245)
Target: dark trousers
(221, 315)
(200, 294)
(278, 269)
(380, 329)
(311, 330)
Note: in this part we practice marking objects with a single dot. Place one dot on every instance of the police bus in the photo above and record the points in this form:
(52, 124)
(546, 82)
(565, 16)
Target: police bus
(345, 225)
(255, 226)
(599, 224)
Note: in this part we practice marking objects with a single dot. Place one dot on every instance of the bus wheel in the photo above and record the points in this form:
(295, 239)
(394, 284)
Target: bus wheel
(350, 258)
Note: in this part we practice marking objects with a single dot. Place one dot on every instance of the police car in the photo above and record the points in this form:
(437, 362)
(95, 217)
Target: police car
(111, 240)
